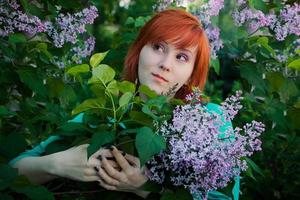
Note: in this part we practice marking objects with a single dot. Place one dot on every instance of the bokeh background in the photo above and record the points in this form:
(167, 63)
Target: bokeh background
(255, 48)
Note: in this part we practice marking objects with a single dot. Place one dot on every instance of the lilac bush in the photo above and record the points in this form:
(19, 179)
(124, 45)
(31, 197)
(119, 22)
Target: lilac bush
(12, 19)
(284, 24)
(65, 28)
(198, 156)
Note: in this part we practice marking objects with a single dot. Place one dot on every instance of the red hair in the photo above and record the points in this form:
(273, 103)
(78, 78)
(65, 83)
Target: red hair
(181, 29)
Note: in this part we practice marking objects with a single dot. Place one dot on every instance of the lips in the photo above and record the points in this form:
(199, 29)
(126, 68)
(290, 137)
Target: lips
(160, 77)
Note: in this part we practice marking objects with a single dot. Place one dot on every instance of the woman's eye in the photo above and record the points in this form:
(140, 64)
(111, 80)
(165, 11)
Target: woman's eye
(182, 57)
(158, 47)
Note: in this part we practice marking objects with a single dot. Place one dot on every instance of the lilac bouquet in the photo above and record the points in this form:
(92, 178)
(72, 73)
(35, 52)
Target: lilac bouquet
(204, 152)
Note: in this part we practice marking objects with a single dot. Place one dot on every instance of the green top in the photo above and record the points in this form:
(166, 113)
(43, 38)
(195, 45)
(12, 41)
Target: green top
(213, 195)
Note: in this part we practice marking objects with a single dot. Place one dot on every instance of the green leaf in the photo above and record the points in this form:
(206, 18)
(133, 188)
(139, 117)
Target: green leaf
(72, 128)
(12, 145)
(264, 41)
(69, 4)
(35, 192)
(140, 118)
(126, 86)
(112, 88)
(147, 91)
(139, 22)
(98, 90)
(151, 186)
(295, 64)
(149, 112)
(179, 194)
(4, 112)
(84, 68)
(288, 90)
(258, 4)
(276, 80)
(20, 181)
(7, 175)
(17, 38)
(89, 104)
(148, 144)
(293, 115)
(97, 58)
(33, 80)
(215, 63)
(125, 99)
(98, 140)
(129, 20)
(254, 166)
(55, 87)
(253, 75)
(6, 197)
(102, 74)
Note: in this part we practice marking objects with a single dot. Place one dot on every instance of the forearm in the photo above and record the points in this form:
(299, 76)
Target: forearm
(38, 170)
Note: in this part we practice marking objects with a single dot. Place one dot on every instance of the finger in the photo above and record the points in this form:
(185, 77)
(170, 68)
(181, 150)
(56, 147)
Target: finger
(91, 171)
(107, 179)
(133, 160)
(106, 186)
(120, 159)
(91, 178)
(93, 162)
(103, 152)
(114, 164)
(110, 170)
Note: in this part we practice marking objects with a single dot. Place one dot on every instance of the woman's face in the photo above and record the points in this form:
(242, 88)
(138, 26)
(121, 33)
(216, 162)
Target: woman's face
(162, 67)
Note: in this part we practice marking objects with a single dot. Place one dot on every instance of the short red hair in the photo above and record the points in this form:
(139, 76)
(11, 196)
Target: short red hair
(181, 29)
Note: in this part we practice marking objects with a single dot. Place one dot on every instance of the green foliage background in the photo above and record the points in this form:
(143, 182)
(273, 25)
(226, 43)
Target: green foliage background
(37, 97)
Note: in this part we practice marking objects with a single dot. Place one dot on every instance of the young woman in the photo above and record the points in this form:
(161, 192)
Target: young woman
(171, 51)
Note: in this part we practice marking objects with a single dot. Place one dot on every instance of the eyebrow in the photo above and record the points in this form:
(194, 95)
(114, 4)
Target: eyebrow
(184, 49)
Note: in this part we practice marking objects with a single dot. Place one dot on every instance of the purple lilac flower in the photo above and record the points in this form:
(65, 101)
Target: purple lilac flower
(286, 23)
(204, 13)
(12, 19)
(214, 7)
(80, 52)
(67, 26)
(198, 157)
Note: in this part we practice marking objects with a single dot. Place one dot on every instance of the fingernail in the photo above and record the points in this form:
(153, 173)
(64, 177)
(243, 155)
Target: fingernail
(99, 157)
(111, 148)
(110, 158)
(96, 169)
(107, 146)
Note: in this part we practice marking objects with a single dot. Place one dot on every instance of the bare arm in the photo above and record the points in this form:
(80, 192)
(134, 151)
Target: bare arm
(71, 163)
(37, 169)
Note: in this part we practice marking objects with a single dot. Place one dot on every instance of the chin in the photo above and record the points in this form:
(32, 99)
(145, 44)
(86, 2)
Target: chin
(157, 90)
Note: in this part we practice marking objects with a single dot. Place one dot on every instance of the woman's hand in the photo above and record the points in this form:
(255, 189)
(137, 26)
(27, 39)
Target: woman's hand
(129, 179)
(73, 163)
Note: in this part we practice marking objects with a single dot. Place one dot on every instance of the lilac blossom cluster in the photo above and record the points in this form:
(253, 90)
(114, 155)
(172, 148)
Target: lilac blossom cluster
(12, 19)
(205, 12)
(199, 156)
(83, 51)
(67, 26)
(77, 53)
(286, 23)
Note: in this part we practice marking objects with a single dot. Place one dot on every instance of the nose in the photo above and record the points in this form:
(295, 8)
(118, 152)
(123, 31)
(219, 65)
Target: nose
(163, 68)
(165, 64)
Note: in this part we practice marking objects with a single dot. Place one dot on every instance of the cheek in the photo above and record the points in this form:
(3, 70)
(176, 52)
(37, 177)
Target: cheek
(184, 74)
